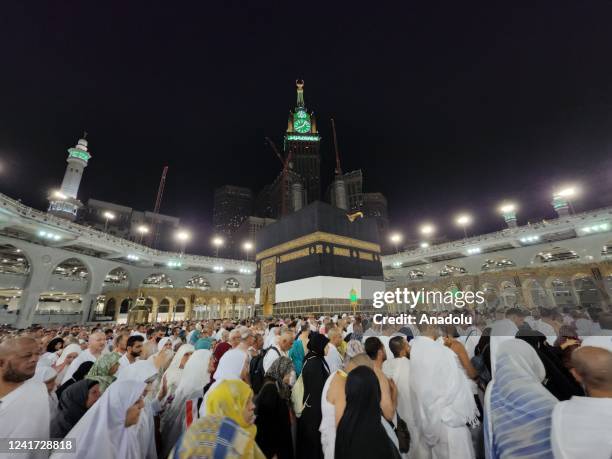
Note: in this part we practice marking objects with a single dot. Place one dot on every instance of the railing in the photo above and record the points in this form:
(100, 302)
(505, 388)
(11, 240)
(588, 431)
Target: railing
(91, 233)
(569, 221)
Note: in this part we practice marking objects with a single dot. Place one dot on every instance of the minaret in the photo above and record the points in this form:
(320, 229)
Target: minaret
(64, 202)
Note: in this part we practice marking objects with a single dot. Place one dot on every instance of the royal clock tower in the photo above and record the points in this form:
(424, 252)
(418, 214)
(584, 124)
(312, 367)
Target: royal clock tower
(302, 142)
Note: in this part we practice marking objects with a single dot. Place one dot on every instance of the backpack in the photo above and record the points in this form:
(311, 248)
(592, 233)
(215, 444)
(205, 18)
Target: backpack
(256, 369)
(297, 397)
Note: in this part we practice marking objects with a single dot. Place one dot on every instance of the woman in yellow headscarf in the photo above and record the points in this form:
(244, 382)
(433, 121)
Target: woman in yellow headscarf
(227, 431)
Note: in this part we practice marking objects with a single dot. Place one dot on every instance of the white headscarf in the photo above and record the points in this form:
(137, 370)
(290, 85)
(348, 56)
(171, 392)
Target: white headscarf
(195, 374)
(101, 432)
(160, 348)
(139, 372)
(439, 400)
(44, 374)
(230, 366)
(193, 379)
(162, 343)
(174, 372)
(70, 349)
(511, 429)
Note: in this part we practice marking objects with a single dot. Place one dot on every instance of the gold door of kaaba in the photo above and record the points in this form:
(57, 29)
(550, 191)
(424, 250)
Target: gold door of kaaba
(267, 282)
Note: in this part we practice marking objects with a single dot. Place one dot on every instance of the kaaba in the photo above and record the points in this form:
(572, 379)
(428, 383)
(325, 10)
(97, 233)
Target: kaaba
(318, 260)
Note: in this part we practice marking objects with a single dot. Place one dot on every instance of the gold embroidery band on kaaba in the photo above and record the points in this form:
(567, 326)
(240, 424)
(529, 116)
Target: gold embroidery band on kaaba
(316, 237)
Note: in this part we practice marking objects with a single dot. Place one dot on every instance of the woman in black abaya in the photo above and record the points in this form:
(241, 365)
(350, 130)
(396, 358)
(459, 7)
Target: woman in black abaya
(314, 374)
(360, 433)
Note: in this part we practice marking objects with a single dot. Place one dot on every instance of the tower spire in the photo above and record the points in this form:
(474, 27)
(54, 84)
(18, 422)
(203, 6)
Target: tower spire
(300, 92)
(64, 202)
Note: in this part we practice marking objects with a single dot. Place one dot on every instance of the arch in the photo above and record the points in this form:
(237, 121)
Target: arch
(231, 284)
(490, 295)
(164, 305)
(181, 304)
(178, 312)
(509, 294)
(15, 268)
(13, 261)
(535, 294)
(110, 307)
(163, 311)
(126, 305)
(149, 303)
(158, 280)
(72, 269)
(586, 291)
(561, 291)
(198, 282)
(117, 278)
(69, 280)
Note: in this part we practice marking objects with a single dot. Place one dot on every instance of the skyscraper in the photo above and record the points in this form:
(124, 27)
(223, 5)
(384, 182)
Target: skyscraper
(353, 182)
(232, 205)
(302, 143)
(64, 202)
(375, 206)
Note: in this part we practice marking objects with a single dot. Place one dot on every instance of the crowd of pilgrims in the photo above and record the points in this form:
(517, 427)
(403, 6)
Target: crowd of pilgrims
(515, 384)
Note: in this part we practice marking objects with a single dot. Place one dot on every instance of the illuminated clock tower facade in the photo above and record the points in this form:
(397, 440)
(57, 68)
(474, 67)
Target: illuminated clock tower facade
(302, 142)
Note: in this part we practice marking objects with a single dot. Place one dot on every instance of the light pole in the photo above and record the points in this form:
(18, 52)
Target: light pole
(396, 238)
(463, 220)
(247, 246)
(107, 216)
(217, 241)
(142, 230)
(563, 198)
(183, 236)
(427, 230)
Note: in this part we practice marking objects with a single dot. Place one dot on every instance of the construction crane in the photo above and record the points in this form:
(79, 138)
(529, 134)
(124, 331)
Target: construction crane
(338, 168)
(284, 174)
(160, 194)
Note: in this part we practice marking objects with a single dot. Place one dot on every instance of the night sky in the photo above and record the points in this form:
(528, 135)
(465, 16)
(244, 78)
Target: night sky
(444, 107)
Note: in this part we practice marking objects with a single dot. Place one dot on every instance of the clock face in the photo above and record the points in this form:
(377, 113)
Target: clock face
(301, 122)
